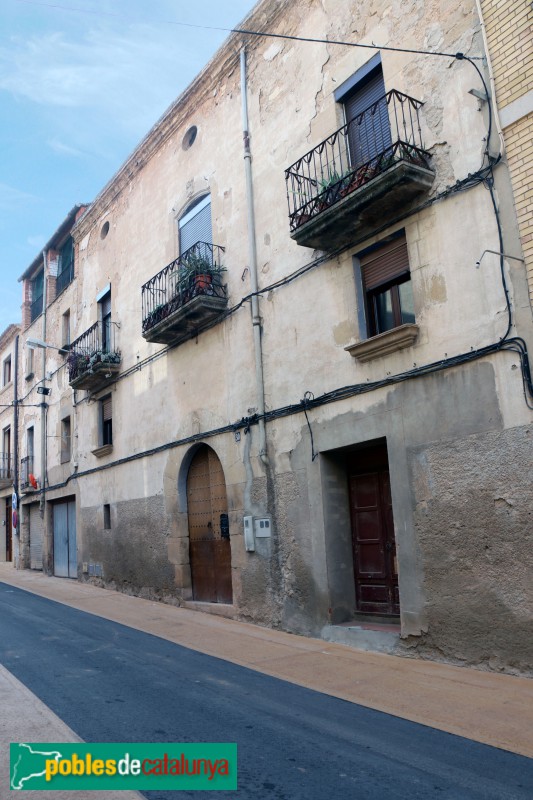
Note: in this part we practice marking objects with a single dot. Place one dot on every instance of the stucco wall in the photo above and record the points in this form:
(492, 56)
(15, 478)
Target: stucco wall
(473, 519)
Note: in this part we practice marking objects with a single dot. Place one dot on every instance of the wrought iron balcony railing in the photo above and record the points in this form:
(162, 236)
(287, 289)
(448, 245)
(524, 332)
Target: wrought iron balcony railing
(384, 134)
(26, 469)
(94, 351)
(65, 277)
(196, 273)
(6, 468)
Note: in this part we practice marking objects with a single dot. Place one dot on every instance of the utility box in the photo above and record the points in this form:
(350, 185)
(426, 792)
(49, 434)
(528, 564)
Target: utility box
(262, 528)
(249, 541)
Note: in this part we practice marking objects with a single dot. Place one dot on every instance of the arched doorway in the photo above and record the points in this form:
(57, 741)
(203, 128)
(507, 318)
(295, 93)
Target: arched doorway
(209, 550)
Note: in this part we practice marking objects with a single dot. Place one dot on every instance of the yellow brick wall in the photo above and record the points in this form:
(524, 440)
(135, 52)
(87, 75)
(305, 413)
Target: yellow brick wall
(519, 144)
(509, 29)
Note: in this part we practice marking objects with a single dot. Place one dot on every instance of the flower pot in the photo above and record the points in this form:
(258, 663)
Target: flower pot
(202, 282)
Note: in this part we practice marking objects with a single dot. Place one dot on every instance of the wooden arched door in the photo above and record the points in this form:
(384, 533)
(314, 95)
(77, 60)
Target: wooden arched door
(210, 550)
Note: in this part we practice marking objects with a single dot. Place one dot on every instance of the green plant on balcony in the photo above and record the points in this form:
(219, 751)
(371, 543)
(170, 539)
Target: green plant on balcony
(196, 274)
(82, 363)
(104, 357)
(331, 186)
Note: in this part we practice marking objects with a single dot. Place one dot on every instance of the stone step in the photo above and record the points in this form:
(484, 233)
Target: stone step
(372, 638)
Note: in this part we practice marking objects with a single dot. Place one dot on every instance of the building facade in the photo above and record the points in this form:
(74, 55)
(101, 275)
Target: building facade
(295, 390)
(46, 413)
(8, 427)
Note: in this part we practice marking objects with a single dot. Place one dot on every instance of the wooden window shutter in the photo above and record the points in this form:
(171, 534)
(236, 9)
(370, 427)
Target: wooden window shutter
(385, 264)
(106, 409)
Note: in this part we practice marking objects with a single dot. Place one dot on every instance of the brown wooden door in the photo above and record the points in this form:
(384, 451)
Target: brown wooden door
(9, 537)
(374, 545)
(210, 549)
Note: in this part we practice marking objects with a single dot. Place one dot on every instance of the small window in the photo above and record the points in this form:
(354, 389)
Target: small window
(6, 371)
(65, 440)
(30, 441)
(29, 363)
(65, 330)
(106, 420)
(387, 286)
(107, 517)
(190, 137)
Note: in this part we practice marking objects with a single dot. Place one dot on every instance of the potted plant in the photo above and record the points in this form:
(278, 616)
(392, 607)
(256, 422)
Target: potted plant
(331, 187)
(197, 272)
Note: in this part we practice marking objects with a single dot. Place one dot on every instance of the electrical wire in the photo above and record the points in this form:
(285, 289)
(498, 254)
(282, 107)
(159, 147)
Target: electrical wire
(304, 405)
(246, 32)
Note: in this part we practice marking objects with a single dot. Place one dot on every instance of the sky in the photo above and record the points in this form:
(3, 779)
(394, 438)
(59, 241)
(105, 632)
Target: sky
(81, 83)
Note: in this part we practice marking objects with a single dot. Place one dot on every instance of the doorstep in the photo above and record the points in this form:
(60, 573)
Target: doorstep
(220, 609)
(373, 637)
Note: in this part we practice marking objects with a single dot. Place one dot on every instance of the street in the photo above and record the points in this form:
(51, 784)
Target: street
(112, 683)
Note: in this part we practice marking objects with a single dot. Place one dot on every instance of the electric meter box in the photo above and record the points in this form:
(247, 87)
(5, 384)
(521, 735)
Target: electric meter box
(262, 528)
(249, 541)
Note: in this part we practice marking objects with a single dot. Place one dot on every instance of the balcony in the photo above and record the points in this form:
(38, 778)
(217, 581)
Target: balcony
(184, 296)
(93, 358)
(28, 482)
(361, 176)
(6, 470)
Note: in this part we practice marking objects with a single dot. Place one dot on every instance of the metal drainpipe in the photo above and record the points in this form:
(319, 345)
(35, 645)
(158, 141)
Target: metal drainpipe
(252, 249)
(43, 404)
(16, 449)
(491, 79)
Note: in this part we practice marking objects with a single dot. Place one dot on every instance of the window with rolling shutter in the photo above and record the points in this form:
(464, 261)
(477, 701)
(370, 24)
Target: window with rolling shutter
(195, 225)
(387, 286)
(106, 410)
(367, 116)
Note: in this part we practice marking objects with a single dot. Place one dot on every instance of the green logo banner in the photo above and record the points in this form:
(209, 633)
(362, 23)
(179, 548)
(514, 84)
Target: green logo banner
(175, 765)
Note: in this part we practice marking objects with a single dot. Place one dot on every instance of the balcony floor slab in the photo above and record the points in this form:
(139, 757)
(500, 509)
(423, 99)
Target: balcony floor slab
(361, 213)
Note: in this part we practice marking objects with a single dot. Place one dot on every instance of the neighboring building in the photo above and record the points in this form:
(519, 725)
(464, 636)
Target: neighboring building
(508, 27)
(318, 420)
(50, 294)
(8, 426)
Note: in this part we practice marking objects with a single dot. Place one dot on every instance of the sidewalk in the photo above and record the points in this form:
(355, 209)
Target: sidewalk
(25, 719)
(490, 708)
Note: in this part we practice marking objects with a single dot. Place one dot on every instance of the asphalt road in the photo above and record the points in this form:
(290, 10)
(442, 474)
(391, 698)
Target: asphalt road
(116, 684)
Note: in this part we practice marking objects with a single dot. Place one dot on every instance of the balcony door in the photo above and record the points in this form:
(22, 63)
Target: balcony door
(195, 226)
(5, 463)
(367, 115)
(9, 538)
(210, 549)
(105, 316)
